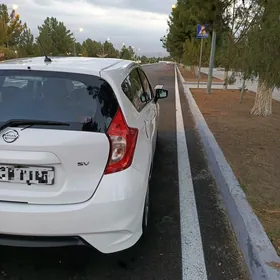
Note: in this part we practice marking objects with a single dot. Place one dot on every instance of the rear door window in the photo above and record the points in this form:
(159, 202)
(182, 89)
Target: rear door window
(146, 85)
(86, 102)
(133, 89)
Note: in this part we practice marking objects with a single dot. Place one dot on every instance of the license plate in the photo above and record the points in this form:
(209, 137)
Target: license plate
(27, 174)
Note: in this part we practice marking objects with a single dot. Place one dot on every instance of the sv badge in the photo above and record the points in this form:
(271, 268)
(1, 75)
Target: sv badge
(82, 163)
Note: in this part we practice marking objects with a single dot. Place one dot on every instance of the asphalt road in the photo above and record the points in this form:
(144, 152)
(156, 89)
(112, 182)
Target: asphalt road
(158, 256)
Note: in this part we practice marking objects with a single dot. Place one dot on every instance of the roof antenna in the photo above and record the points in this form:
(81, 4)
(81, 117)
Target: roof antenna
(47, 59)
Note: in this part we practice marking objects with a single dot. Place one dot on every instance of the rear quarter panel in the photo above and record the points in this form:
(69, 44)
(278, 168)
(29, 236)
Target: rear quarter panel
(142, 156)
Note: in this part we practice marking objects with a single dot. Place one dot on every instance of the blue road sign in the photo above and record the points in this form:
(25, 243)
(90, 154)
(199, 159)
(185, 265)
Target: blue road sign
(201, 32)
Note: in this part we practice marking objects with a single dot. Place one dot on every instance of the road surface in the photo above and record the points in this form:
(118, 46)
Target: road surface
(159, 256)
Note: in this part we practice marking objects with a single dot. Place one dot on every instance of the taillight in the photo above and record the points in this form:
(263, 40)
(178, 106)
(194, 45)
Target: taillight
(122, 141)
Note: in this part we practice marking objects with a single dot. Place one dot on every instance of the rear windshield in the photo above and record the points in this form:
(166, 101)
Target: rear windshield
(86, 102)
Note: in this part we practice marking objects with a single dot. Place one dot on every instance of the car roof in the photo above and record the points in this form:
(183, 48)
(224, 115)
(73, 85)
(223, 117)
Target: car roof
(82, 65)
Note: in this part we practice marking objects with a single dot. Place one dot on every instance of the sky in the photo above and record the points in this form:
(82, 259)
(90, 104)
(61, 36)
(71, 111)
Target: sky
(139, 23)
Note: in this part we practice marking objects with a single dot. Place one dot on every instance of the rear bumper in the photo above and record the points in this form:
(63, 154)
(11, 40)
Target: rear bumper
(110, 221)
(40, 241)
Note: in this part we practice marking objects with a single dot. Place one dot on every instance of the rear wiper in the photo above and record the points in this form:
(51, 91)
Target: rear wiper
(17, 122)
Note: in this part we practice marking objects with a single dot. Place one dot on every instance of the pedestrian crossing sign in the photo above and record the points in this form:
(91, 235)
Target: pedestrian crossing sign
(201, 31)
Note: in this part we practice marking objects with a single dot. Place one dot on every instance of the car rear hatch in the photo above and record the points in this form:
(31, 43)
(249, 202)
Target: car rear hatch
(59, 158)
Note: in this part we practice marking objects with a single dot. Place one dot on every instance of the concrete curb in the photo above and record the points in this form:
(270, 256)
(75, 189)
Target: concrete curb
(204, 86)
(259, 254)
(204, 83)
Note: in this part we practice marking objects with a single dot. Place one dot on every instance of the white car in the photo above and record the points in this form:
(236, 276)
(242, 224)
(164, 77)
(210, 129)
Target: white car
(77, 140)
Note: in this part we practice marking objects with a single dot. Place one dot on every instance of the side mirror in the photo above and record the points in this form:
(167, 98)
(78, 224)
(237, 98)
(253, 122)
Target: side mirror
(161, 93)
(144, 98)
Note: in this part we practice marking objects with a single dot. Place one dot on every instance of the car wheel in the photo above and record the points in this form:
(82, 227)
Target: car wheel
(146, 213)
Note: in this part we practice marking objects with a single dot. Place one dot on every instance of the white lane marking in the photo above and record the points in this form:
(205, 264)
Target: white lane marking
(193, 264)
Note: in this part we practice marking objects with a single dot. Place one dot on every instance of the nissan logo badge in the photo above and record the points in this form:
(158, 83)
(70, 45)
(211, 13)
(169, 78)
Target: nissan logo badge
(10, 136)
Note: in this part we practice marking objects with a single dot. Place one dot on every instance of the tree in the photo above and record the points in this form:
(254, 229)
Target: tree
(110, 50)
(16, 40)
(84, 52)
(264, 62)
(79, 49)
(4, 19)
(11, 28)
(144, 59)
(91, 47)
(183, 23)
(192, 50)
(153, 59)
(247, 40)
(26, 45)
(131, 53)
(176, 36)
(8, 53)
(255, 50)
(239, 15)
(127, 53)
(55, 37)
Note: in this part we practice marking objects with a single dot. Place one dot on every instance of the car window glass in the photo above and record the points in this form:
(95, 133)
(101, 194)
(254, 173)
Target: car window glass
(132, 87)
(87, 102)
(146, 85)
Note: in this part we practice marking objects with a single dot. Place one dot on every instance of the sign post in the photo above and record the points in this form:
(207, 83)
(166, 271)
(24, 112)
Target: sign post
(201, 33)
(200, 60)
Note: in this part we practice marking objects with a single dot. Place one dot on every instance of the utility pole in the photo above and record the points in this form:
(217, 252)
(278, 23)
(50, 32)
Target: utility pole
(211, 64)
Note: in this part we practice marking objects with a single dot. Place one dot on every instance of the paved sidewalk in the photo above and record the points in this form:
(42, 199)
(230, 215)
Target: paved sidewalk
(250, 85)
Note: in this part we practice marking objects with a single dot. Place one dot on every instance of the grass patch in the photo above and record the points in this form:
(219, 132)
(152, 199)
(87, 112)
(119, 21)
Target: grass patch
(251, 145)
